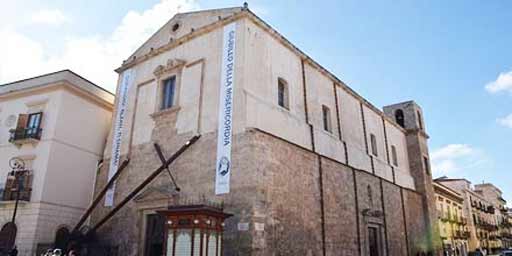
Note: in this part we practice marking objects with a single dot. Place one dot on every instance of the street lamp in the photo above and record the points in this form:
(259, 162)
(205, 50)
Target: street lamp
(18, 170)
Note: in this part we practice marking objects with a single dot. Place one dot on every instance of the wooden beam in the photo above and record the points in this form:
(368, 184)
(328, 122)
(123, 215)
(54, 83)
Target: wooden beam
(101, 194)
(144, 184)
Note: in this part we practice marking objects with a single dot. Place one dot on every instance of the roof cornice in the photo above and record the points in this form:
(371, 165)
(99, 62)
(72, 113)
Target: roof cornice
(49, 81)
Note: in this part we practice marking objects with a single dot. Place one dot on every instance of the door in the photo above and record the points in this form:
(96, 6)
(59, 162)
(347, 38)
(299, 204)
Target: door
(154, 241)
(7, 237)
(373, 240)
(62, 238)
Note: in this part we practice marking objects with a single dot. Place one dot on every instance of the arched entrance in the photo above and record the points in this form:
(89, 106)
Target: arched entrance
(7, 236)
(62, 238)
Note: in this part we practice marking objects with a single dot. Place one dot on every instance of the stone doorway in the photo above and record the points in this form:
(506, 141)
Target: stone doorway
(154, 239)
(373, 241)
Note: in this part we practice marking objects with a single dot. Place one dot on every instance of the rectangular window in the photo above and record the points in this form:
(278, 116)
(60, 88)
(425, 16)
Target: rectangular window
(326, 112)
(394, 157)
(373, 141)
(34, 123)
(427, 165)
(168, 91)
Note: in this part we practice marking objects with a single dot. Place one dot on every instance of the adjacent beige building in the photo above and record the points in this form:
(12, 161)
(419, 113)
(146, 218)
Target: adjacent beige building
(486, 211)
(453, 224)
(57, 124)
(498, 211)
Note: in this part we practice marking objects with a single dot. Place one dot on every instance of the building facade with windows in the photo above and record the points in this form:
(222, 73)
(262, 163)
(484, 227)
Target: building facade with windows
(57, 125)
(453, 224)
(314, 168)
(506, 233)
(486, 212)
(498, 211)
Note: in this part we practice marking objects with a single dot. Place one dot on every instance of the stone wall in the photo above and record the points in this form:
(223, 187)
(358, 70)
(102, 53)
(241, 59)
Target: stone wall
(295, 201)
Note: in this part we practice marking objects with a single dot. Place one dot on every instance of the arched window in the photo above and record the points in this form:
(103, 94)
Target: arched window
(62, 238)
(420, 122)
(7, 236)
(427, 165)
(370, 196)
(373, 141)
(282, 93)
(399, 117)
(394, 157)
(326, 115)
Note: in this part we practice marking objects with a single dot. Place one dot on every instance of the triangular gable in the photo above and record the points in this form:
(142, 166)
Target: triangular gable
(156, 193)
(182, 24)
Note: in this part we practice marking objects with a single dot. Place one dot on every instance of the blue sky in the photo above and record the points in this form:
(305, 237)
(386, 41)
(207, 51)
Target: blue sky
(442, 54)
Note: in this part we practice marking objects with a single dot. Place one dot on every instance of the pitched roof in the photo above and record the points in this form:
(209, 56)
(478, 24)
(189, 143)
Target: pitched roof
(182, 24)
(67, 75)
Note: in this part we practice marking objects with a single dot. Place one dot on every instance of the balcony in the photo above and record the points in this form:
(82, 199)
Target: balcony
(25, 135)
(445, 217)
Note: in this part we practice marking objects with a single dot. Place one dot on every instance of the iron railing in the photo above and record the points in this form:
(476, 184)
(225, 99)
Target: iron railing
(25, 134)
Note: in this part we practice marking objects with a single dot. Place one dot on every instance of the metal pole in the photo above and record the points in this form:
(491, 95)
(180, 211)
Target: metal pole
(17, 198)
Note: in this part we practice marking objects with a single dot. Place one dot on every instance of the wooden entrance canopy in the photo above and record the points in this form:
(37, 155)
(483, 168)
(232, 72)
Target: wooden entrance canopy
(194, 230)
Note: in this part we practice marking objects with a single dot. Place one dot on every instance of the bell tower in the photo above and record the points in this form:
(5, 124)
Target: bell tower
(409, 115)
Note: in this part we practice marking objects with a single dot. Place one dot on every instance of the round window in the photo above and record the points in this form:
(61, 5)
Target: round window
(175, 27)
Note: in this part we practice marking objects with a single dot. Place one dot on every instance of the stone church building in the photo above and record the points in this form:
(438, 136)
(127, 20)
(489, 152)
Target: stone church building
(314, 168)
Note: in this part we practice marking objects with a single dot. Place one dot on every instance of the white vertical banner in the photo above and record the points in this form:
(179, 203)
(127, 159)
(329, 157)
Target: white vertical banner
(224, 137)
(117, 136)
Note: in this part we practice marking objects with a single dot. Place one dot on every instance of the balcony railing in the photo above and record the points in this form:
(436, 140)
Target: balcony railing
(25, 135)
(445, 216)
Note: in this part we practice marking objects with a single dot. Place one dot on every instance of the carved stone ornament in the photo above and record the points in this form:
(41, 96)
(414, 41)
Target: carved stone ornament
(372, 213)
(10, 121)
(171, 64)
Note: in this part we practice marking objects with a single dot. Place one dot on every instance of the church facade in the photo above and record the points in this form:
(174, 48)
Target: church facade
(305, 165)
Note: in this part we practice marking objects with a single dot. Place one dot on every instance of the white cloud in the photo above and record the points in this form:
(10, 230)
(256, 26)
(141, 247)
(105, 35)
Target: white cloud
(49, 17)
(505, 121)
(453, 158)
(452, 151)
(502, 83)
(93, 56)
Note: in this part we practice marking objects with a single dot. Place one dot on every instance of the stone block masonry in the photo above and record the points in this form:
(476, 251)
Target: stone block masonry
(294, 201)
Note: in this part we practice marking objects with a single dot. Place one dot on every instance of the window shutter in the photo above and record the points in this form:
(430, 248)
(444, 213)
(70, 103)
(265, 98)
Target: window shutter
(27, 187)
(22, 121)
(9, 186)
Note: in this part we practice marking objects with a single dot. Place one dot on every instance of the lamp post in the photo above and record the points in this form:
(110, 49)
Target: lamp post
(18, 169)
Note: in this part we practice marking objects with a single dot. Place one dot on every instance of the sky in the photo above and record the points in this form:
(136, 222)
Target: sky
(454, 58)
